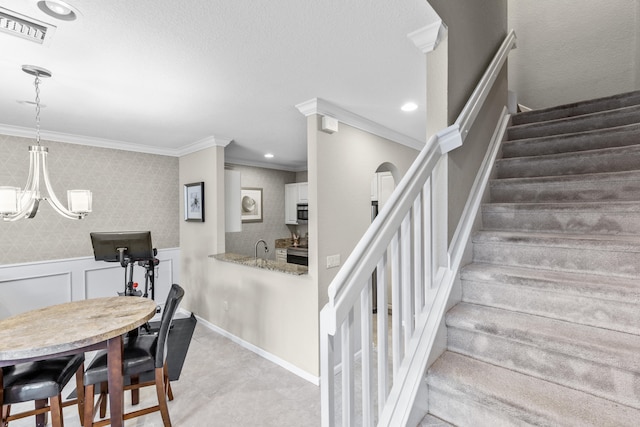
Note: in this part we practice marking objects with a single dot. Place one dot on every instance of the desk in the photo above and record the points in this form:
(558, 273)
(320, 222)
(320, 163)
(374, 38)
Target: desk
(76, 327)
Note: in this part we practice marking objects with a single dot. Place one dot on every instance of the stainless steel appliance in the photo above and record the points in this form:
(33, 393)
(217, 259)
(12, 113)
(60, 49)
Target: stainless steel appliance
(298, 255)
(302, 213)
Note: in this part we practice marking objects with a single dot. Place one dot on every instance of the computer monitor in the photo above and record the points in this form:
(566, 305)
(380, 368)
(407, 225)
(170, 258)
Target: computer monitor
(137, 245)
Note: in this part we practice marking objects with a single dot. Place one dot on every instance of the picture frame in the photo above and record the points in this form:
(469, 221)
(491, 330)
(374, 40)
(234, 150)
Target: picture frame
(251, 205)
(194, 202)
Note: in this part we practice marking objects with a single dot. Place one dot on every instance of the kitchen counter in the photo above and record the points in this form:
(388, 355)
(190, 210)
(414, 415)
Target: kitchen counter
(265, 264)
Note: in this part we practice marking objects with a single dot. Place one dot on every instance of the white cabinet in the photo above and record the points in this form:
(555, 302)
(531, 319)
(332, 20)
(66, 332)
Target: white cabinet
(293, 194)
(281, 255)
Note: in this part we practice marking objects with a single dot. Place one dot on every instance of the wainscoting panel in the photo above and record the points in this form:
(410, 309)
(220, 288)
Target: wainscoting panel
(28, 293)
(29, 286)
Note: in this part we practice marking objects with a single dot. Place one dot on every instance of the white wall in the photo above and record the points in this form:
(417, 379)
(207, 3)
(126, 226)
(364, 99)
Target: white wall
(572, 50)
(29, 286)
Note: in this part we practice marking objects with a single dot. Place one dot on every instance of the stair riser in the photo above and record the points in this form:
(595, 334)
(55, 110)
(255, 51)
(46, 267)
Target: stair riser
(599, 161)
(578, 108)
(561, 368)
(566, 221)
(618, 315)
(609, 138)
(559, 191)
(461, 410)
(570, 259)
(608, 119)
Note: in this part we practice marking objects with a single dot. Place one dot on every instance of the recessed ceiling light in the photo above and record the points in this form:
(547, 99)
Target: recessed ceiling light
(58, 9)
(269, 156)
(409, 106)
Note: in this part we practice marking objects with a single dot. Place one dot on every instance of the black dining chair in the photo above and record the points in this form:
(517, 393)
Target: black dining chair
(42, 381)
(143, 353)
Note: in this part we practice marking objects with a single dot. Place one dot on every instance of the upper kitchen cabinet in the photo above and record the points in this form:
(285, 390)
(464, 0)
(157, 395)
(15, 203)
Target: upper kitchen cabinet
(293, 195)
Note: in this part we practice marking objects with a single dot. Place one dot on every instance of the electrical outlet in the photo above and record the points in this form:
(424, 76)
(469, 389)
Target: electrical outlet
(333, 261)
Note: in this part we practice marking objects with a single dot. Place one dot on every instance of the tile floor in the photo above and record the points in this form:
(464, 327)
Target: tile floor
(222, 384)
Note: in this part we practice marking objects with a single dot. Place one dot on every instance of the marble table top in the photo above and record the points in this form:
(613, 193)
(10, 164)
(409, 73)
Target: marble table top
(70, 326)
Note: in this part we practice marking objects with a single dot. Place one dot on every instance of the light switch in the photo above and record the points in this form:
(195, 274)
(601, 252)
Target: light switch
(333, 261)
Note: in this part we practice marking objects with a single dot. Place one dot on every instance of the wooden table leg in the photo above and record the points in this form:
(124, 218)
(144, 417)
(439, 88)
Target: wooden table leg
(116, 382)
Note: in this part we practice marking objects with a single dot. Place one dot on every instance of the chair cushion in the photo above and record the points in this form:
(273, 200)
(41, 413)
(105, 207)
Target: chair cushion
(38, 380)
(139, 355)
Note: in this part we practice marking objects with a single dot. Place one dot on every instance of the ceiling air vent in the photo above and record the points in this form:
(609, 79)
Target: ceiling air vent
(25, 27)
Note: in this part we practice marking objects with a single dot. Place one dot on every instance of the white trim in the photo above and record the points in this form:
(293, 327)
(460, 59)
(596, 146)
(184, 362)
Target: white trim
(428, 38)
(449, 139)
(86, 140)
(324, 107)
(208, 142)
(267, 165)
(257, 350)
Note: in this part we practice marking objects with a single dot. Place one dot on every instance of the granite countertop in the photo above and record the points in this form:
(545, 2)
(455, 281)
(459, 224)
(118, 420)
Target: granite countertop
(265, 264)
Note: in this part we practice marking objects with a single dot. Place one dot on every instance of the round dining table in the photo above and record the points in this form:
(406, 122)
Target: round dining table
(75, 327)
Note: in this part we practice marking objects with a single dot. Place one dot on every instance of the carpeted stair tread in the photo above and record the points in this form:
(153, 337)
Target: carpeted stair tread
(568, 338)
(594, 254)
(578, 108)
(613, 159)
(617, 289)
(586, 122)
(564, 353)
(592, 187)
(614, 217)
(468, 392)
(575, 142)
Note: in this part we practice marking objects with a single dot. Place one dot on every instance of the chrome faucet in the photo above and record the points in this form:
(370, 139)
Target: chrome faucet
(266, 249)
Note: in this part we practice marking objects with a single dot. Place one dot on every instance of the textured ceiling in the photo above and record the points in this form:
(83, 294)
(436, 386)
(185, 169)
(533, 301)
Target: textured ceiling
(161, 75)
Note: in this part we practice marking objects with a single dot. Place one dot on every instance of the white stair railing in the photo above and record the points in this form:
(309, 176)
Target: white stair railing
(398, 248)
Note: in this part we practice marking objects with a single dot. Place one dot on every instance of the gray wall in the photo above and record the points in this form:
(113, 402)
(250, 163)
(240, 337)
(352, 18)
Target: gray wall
(572, 50)
(272, 226)
(131, 191)
(341, 167)
(476, 30)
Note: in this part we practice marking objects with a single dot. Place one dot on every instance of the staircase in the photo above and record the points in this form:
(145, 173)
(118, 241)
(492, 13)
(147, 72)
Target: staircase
(548, 330)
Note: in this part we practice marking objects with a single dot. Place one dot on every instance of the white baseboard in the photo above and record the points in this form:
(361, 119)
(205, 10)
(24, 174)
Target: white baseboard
(257, 350)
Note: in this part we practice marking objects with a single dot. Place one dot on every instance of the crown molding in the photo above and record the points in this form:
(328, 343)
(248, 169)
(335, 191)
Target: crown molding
(208, 142)
(326, 108)
(428, 38)
(86, 140)
(265, 165)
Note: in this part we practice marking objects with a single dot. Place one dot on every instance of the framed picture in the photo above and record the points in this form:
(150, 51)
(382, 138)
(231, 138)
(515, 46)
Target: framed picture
(251, 209)
(194, 202)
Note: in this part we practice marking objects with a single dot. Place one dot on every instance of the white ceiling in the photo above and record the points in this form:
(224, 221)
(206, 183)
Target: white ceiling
(161, 75)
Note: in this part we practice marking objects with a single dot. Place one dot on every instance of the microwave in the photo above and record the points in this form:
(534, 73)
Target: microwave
(302, 213)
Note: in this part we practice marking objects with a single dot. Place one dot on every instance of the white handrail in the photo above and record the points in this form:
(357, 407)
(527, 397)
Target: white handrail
(419, 299)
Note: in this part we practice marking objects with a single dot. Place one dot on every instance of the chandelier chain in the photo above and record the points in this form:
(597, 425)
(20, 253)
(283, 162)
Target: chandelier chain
(37, 84)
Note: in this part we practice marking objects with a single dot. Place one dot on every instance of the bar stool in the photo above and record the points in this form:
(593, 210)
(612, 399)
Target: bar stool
(42, 381)
(144, 353)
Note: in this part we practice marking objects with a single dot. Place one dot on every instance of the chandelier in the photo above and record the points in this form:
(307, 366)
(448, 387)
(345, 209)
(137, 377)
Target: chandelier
(16, 203)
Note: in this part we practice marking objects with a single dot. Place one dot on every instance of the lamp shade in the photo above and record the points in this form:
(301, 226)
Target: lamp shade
(9, 200)
(79, 201)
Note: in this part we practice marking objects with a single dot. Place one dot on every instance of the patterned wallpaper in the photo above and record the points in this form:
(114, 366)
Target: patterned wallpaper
(272, 227)
(131, 191)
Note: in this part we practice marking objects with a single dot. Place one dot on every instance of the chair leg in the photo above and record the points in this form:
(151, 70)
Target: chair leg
(135, 392)
(167, 382)
(57, 420)
(41, 419)
(80, 392)
(162, 397)
(104, 390)
(6, 411)
(89, 412)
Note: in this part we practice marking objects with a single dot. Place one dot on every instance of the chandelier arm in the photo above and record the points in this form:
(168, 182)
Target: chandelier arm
(52, 199)
(29, 208)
